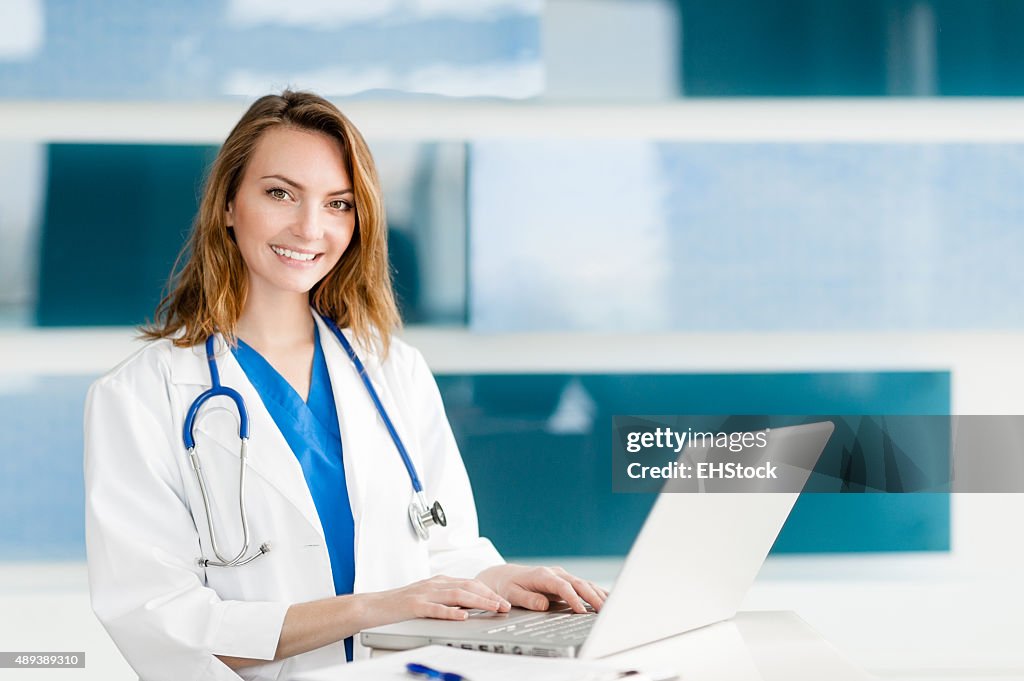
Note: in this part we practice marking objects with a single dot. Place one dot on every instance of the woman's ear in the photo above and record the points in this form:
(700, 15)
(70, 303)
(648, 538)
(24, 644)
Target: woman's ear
(229, 215)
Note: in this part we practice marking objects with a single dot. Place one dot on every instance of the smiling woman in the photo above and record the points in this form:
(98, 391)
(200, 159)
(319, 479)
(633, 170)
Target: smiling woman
(294, 173)
(299, 223)
(285, 282)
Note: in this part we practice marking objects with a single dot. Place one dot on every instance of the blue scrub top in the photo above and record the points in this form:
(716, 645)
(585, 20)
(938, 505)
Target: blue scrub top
(311, 431)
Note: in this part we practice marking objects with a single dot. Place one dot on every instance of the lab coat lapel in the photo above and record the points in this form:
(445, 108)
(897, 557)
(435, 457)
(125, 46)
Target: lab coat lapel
(357, 418)
(388, 554)
(269, 455)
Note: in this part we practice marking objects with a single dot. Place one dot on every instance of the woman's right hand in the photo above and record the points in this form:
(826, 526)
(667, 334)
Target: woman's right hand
(311, 625)
(443, 598)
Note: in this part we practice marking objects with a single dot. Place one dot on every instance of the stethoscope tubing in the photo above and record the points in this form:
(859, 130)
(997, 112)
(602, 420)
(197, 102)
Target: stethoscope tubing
(361, 370)
(216, 390)
(420, 514)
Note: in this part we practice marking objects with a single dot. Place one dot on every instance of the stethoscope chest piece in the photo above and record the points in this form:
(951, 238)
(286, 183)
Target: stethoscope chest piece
(423, 518)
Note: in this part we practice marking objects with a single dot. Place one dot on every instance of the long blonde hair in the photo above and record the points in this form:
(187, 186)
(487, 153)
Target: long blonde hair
(209, 282)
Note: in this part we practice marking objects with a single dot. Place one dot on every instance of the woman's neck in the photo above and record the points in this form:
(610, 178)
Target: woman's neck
(277, 321)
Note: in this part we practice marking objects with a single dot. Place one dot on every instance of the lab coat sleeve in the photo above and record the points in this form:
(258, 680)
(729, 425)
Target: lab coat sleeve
(457, 550)
(142, 546)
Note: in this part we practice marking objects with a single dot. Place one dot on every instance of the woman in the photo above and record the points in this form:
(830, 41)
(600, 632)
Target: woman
(289, 247)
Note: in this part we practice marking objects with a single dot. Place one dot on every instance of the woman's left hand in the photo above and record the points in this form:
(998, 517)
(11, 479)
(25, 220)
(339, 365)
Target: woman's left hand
(533, 588)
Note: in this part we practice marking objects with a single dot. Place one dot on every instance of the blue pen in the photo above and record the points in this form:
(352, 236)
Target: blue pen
(430, 673)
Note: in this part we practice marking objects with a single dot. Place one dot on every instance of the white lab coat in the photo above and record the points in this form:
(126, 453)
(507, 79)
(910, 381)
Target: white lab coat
(146, 526)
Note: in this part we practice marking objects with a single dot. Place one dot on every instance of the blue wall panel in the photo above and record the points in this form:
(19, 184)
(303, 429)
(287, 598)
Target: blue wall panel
(41, 490)
(196, 49)
(653, 236)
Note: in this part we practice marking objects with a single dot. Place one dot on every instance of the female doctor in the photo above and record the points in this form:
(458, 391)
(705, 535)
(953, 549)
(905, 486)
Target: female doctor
(213, 557)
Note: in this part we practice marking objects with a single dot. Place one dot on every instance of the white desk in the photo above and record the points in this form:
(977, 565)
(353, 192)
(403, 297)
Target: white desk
(753, 646)
(761, 646)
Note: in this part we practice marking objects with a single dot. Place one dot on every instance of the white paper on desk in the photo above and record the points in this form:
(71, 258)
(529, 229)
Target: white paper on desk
(473, 665)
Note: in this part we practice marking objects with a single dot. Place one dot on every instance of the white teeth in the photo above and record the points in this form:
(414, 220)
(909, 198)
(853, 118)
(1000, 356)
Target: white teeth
(303, 257)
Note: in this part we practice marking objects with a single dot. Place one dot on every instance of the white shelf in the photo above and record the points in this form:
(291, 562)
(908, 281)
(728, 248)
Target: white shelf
(979, 120)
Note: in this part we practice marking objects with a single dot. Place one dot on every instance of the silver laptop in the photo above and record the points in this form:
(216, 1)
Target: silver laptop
(691, 565)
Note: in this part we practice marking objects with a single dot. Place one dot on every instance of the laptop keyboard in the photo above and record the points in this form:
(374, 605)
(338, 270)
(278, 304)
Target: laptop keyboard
(565, 628)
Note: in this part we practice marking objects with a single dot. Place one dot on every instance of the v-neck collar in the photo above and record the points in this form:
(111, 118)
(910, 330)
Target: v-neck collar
(321, 393)
(269, 382)
(281, 398)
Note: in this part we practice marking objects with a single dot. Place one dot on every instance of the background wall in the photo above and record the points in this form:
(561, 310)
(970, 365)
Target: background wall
(577, 231)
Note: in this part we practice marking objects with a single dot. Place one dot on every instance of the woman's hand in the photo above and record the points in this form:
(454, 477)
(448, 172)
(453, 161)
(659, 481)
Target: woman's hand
(308, 626)
(534, 587)
(443, 598)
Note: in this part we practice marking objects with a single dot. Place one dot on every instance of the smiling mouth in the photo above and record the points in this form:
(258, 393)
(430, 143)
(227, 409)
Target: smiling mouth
(297, 256)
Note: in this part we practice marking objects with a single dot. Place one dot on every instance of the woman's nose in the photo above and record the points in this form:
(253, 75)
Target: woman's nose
(309, 224)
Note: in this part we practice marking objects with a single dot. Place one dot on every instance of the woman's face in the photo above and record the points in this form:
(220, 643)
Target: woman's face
(294, 212)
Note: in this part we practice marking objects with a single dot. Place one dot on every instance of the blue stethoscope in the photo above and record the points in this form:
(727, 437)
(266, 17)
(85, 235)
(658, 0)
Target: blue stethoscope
(422, 516)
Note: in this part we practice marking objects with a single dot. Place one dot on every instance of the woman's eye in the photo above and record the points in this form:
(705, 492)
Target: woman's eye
(278, 193)
(340, 205)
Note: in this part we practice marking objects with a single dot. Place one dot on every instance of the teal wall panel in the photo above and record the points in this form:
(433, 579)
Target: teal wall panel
(542, 478)
(862, 48)
(783, 48)
(115, 217)
(834, 523)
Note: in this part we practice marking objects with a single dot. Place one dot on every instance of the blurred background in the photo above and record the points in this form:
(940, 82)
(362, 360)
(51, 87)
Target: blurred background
(595, 207)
